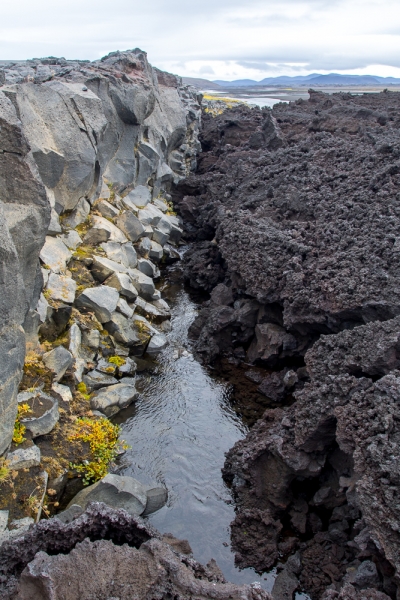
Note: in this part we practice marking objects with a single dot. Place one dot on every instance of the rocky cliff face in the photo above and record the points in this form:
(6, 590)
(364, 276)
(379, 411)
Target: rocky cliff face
(295, 213)
(66, 128)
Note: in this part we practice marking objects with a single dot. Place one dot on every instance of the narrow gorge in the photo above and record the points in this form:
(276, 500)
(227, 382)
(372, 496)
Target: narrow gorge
(200, 312)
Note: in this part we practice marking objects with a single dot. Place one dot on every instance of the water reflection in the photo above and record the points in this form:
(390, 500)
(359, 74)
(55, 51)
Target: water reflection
(179, 431)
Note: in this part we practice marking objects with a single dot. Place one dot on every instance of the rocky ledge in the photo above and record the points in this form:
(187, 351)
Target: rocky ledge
(104, 554)
(295, 216)
(88, 155)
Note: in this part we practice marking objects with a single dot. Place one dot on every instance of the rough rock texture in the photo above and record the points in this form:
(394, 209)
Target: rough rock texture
(61, 561)
(66, 128)
(102, 570)
(295, 218)
(309, 229)
(24, 218)
(330, 461)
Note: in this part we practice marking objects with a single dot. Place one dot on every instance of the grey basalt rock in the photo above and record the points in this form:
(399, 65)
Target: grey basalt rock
(148, 268)
(140, 196)
(123, 284)
(71, 130)
(113, 233)
(24, 219)
(78, 215)
(55, 254)
(123, 330)
(112, 399)
(101, 300)
(131, 226)
(61, 287)
(95, 380)
(58, 361)
(24, 458)
(106, 209)
(103, 267)
(143, 283)
(45, 423)
(157, 343)
(117, 492)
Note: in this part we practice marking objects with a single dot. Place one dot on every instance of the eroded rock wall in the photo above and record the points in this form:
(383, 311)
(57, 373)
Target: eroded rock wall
(24, 218)
(295, 217)
(67, 129)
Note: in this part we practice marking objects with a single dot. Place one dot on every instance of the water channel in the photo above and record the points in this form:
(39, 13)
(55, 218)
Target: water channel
(179, 431)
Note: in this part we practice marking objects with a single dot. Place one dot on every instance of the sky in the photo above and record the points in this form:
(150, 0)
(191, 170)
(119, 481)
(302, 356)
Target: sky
(213, 39)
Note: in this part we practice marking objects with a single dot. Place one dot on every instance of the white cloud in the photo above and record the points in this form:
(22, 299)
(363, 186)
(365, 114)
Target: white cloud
(228, 39)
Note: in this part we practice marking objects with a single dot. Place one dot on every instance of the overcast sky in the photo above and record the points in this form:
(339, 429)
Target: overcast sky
(213, 39)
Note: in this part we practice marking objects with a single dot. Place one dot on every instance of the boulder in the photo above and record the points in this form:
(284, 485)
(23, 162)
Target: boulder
(156, 499)
(131, 255)
(175, 234)
(91, 338)
(127, 369)
(131, 226)
(45, 423)
(58, 361)
(61, 287)
(157, 343)
(123, 284)
(148, 231)
(106, 367)
(124, 308)
(112, 399)
(78, 215)
(156, 251)
(123, 330)
(144, 246)
(140, 196)
(43, 309)
(161, 205)
(150, 215)
(106, 209)
(158, 310)
(130, 205)
(116, 235)
(101, 300)
(67, 516)
(54, 225)
(63, 390)
(96, 236)
(285, 585)
(96, 380)
(24, 458)
(148, 268)
(125, 254)
(164, 224)
(55, 254)
(72, 239)
(103, 267)
(143, 283)
(160, 236)
(123, 492)
(271, 343)
(75, 340)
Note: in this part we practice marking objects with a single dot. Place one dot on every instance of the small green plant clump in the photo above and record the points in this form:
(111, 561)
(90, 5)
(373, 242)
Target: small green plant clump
(117, 360)
(5, 474)
(102, 437)
(19, 428)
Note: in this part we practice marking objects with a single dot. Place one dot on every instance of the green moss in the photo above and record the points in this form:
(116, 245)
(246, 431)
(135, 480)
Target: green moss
(81, 387)
(117, 360)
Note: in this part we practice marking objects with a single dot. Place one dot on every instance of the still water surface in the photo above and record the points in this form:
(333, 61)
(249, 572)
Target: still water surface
(179, 431)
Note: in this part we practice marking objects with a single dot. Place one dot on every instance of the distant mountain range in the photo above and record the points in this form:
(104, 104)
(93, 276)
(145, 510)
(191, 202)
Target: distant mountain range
(314, 79)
